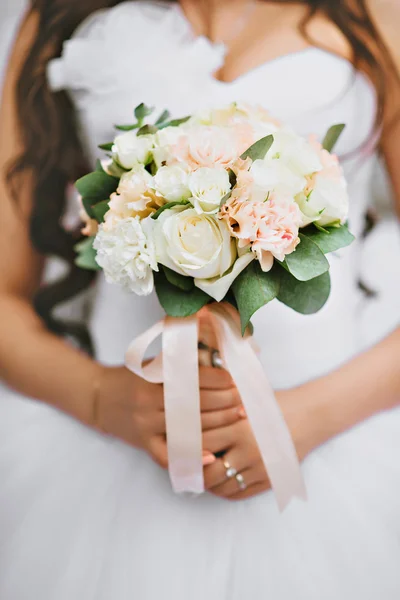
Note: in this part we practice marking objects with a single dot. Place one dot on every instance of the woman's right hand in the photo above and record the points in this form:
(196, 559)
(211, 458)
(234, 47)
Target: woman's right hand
(131, 409)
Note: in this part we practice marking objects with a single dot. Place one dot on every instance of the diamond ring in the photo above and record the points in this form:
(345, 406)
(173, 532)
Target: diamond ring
(230, 471)
(241, 482)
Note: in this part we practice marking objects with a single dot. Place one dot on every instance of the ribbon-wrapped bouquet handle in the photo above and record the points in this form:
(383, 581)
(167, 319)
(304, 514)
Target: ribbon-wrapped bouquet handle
(177, 367)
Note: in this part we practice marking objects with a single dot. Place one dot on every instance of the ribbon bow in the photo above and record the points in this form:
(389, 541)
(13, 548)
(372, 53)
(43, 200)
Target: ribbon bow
(177, 367)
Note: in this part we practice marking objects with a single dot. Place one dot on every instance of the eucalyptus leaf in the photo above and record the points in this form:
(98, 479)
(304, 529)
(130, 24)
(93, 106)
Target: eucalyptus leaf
(142, 111)
(99, 210)
(86, 255)
(305, 297)
(180, 281)
(259, 149)
(173, 123)
(108, 147)
(333, 239)
(163, 118)
(127, 127)
(147, 129)
(332, 136)
(253, 289)
(307, 261)
(175, 301)
(97, 186)
(167, 206)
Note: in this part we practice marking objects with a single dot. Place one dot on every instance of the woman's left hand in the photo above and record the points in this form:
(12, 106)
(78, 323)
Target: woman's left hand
(242, 454)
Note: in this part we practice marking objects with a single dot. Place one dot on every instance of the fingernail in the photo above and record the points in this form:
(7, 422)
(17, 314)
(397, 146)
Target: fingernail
(242, 413)
(208, 459)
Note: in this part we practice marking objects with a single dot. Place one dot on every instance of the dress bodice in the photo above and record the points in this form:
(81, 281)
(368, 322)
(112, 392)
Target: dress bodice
(146, 52)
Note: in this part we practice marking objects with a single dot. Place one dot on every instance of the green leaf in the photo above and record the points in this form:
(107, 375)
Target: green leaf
(176, 302)
(108, 147)
(174, 123)
(99, 166)
(253, 289)
(142, 111)
(180, 281)
(332, 136)
(169, 205)
(307, 261)
(333, 239)
(86, 258)
(99, 210)
(127, 127)
(97, 186)
(147, 129)
(259, 149)
(305, 297)
(163, 118)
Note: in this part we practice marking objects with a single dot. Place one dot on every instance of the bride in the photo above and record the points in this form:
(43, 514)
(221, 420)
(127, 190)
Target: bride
(86, 508)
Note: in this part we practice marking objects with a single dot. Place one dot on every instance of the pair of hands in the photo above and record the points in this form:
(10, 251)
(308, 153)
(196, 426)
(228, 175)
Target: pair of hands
(138, 418)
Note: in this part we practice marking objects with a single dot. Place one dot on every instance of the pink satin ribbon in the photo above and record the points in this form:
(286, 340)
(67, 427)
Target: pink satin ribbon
(177, 367)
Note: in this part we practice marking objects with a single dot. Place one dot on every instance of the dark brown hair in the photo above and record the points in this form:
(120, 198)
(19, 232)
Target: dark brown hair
(53, 150)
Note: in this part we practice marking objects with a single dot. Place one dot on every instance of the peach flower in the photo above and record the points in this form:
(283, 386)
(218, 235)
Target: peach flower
(269, 228)
(210, 146)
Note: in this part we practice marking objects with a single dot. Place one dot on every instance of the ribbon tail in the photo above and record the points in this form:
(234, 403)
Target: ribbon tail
(265, 417)
(182, 404)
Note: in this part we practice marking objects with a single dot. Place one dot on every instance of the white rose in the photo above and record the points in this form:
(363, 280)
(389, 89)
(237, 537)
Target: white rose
(327, 204)
(191, 244)
(131, 149)
(208, 186)
(273, 175)
(164, 140)
(126, 253)
(172, 183)
(295, 152)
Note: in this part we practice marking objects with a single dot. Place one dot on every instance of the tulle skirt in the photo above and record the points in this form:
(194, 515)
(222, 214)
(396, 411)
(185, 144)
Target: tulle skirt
(85, 517)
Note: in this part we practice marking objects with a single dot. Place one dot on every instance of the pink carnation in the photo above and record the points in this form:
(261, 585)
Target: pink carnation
(270, 228)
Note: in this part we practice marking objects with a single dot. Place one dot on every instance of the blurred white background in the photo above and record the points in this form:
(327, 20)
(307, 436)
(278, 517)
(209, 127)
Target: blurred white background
(10, 14)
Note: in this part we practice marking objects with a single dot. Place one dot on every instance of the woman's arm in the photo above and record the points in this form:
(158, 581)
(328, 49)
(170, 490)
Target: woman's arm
(32, 360)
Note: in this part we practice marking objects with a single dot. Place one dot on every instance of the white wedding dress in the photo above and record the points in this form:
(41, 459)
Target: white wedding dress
(86, 517)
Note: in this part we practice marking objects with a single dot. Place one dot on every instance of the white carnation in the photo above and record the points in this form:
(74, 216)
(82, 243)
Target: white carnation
(126, 254)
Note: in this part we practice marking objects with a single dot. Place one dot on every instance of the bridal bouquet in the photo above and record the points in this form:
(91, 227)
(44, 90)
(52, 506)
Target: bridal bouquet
(226, 205)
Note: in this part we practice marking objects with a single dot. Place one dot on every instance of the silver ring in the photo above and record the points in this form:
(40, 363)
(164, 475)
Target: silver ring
(216, 360)
(241, 482)
(230, 471)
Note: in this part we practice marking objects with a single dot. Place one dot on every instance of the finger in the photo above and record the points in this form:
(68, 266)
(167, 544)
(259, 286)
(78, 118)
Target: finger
(216, 474)
(252, 490)
(222, 439)
(232, 487)
(219, 399)
(158, 451)
(220, 418)
(215, 379)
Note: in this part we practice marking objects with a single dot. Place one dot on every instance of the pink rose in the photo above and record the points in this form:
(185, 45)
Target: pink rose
(270, 228)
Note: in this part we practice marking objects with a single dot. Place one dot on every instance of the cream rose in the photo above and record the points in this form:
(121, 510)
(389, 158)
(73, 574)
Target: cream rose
(208, 186)
(191, 244)
(272, 175)
(130, 149)
(172, 183)
(326, 204)
(295, 152)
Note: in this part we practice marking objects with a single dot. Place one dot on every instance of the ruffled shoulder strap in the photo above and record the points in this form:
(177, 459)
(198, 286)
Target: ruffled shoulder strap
(92, 58)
